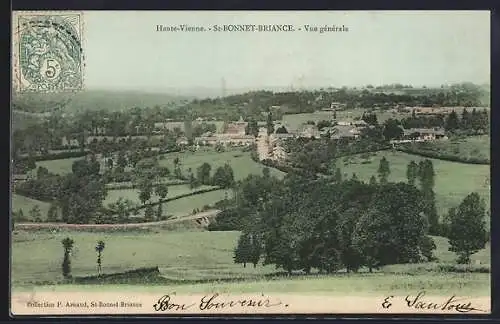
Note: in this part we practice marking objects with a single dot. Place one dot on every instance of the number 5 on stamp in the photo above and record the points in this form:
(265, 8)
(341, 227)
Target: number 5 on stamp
(47, 51)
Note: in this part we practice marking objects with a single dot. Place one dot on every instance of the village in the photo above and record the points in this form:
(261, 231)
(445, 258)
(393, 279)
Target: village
(270, 146)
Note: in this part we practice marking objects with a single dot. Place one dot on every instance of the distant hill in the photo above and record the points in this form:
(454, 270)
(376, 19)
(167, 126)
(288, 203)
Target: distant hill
(93, 100)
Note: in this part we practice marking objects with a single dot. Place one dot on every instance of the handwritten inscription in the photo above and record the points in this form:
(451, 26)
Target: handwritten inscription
(419, 302)
(214, 302)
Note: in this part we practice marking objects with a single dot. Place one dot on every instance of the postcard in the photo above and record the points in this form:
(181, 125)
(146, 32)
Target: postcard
(260, 162)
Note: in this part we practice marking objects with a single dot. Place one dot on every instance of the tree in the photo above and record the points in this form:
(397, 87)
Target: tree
(188, 130)
(392, 129)
(412, 172)
(52, 214)
(223, 176)
(121, 208)
(338, 175)
(41, 172)
(392, 229)
(467, 228)
(252, 128)
(281, 130)
(20, 215)
(162, 190)
(383, 170)
(122, 160)
(270, 123)
(321, 124)
(426, 176)
(242, 250)
(466, 122)
(66, 265)
(145, 190)
(203, 173)
(99, 248)
(451, 122)
(84, 167)
(149, 213)
(266, 172)
(370, 118)
(373, 180)
(109, 163)
(255, 249)
(36, 214)
(193, 182)
(159, 212)
(134, 157)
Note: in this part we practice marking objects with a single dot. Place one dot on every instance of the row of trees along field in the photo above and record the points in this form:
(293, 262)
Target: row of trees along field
(329, 224)
(306, 101)
(470, 122)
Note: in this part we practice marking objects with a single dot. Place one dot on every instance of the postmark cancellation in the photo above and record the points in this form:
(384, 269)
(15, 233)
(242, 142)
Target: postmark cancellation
(47, 53)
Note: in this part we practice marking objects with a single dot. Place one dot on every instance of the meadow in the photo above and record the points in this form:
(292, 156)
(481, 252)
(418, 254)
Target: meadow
(453, 181)
(61, 166)
(466, 149)
(133, 194)
(26, 204)
(201, 255)
(185, 206)
(241, 162)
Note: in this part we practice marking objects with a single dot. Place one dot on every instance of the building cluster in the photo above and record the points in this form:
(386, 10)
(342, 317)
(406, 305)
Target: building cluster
(234, 134)
(421, 135)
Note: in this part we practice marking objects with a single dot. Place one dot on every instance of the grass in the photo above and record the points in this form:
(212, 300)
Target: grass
(26, 204)
(466, 284)
(62, 166)
(201, 255)
(179, 255)
(184, 206)
(453, 181)
(472, 147)
(133, 194)
(241, 162)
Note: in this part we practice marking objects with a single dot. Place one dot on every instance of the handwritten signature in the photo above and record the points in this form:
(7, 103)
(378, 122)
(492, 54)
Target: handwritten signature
(209, 302)
(453, 303)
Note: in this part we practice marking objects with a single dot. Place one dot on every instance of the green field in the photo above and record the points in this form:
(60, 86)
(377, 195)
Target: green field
(26, 204)
(453, 181)
(184, 206)
(471, 147)
(133, 194)
(375, 284)
(208, 255)
(62, 166)
(240, 161)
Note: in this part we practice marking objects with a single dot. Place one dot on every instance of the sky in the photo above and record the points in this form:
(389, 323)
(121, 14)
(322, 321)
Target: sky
(123, 50)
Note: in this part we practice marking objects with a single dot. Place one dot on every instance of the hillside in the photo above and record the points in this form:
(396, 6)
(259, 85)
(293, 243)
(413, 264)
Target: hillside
(92, 100)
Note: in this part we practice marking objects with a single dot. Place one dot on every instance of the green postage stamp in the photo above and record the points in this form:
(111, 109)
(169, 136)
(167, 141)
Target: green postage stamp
(48, 53)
